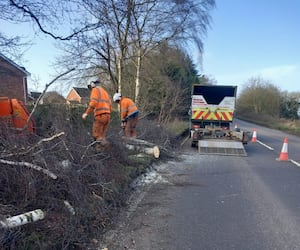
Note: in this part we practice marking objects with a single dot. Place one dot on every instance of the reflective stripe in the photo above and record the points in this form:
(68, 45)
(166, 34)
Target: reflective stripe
(127, 107)
(97, 109)
(97, 100)
(100, 102)
(216, 115)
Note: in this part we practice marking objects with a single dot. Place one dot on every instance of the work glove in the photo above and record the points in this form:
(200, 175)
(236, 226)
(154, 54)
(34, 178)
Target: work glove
(84, 116)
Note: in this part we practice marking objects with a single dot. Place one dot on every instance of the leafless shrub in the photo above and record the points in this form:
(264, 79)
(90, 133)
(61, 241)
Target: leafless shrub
(81, 202)
(59, 171)
(152, 131)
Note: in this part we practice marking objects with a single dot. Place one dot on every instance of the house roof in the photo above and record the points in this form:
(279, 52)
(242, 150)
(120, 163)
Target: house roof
(22, 69)
(35, 95)
(82, 92)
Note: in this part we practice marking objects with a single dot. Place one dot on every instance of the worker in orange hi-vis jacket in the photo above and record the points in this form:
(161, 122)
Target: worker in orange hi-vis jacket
(129, 114)
(100, 104)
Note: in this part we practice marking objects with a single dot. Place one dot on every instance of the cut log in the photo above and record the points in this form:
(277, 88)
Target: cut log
(147, 150)
(139, 142)
(145, 144)
(23, 219)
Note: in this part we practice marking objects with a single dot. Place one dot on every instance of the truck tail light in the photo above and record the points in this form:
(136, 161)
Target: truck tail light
(195, 126)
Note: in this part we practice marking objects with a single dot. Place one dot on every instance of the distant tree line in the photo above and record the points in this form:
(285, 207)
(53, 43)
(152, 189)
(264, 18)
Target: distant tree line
(261, 97)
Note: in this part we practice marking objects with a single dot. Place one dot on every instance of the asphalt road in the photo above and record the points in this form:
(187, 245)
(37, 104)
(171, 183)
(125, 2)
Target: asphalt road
(217, 202)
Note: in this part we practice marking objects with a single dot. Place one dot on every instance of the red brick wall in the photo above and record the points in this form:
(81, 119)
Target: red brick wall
(12, 81)
(73, 96)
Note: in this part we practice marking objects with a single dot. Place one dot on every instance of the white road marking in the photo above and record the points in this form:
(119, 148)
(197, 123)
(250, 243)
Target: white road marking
(265, 145)
(292, 161)
(296, 163)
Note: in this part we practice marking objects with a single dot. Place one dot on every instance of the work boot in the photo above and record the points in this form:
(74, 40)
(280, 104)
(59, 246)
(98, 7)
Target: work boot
(98, 147)
(102, 144)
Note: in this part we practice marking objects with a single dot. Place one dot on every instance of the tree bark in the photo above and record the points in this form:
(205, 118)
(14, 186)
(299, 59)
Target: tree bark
(147, 150)
(23, 219)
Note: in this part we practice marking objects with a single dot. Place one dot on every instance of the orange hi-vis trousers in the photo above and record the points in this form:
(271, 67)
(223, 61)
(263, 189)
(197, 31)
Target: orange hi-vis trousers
(130, 127)
(100, 126)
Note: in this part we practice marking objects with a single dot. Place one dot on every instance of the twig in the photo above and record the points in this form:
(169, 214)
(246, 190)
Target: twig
(34, 146)
(102, 185)
(145, 115)
(30, 165)
(50, 138)
(94, 155)
(68, 150)
(69, 207)
(43, 93)
(88, 146)
(184, 141)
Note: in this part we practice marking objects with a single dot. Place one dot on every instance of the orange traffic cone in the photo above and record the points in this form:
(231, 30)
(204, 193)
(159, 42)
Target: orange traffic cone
(284, 151)
(254, 136)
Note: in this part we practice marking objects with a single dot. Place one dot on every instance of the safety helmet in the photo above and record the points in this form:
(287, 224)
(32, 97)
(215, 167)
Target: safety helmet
(92, 82)
(117, 97)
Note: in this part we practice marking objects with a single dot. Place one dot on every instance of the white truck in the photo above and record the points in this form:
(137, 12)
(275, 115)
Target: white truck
(211, 117)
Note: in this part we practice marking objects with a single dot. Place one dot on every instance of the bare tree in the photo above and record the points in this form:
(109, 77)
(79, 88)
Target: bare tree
(103, 50)
(173, 21)
(127, 31)
(60, 20)
(106, 34)
(259, 96)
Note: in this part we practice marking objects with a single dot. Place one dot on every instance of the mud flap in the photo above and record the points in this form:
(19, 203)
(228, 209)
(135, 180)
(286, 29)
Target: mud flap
(219, 147)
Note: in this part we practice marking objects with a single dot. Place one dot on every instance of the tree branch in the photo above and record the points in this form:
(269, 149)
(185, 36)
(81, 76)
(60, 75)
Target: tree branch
(25, 9)
(41, 96)
(30, 165)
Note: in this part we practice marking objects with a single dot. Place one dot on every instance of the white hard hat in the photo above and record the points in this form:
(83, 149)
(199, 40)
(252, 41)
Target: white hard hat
(92, 82)
(117, 97)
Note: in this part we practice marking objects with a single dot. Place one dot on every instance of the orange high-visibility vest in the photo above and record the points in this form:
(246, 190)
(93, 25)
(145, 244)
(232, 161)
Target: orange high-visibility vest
(127, 107)
(100, 102)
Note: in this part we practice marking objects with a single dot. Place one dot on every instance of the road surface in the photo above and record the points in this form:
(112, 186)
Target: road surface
(217, 202)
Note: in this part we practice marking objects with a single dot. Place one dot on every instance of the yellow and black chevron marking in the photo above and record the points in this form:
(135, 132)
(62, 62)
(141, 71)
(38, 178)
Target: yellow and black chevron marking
(216, 115)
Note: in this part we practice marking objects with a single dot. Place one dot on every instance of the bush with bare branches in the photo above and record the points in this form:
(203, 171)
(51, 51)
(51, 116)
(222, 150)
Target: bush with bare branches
(59, 171)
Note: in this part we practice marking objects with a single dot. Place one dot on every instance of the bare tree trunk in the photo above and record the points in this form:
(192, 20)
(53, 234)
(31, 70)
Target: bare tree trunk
(138, 73)
(119, 67)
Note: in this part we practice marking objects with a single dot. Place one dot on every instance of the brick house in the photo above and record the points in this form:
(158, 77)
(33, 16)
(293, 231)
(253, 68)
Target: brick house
(33, 96)
(78, 95)
(13, 79)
